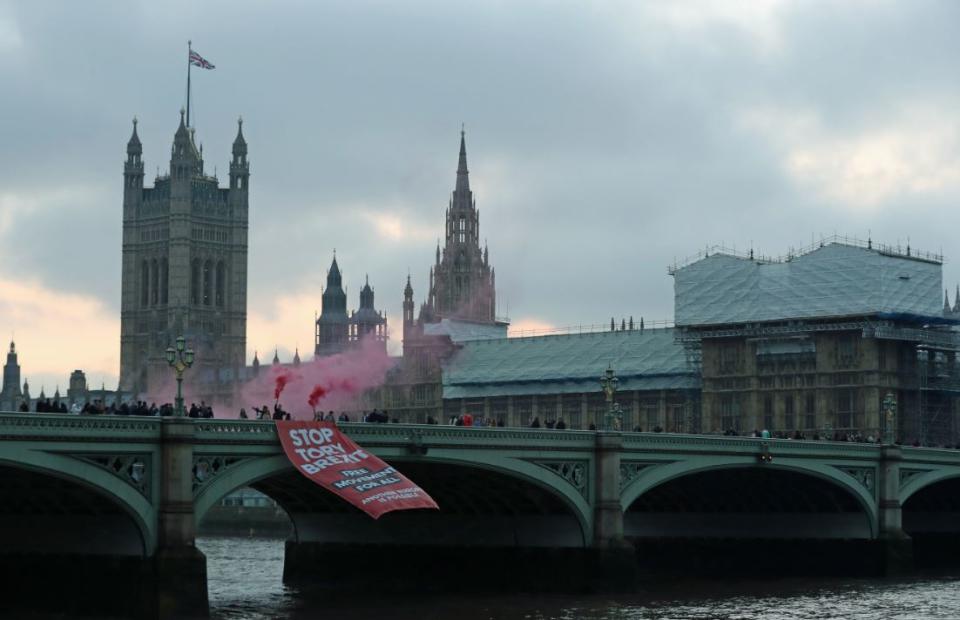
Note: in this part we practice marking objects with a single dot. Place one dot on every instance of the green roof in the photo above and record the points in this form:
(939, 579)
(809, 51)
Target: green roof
(651, 359)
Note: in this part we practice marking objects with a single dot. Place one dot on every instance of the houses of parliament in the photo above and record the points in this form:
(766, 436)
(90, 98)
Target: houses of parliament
(184, 271)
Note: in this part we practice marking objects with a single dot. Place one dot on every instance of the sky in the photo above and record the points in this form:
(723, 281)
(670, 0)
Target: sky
(606, 140)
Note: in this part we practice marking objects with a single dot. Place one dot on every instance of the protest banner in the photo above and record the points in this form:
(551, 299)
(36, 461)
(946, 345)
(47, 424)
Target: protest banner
(329, 458)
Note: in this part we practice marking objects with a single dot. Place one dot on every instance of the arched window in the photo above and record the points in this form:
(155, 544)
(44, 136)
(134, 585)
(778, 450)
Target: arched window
(144, 284)
(154, 282)
(221, 277)
(207, 283)
(195, 282)
(164, 281)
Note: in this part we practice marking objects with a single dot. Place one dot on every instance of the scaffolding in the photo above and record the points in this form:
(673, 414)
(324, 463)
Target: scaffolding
(938, 386)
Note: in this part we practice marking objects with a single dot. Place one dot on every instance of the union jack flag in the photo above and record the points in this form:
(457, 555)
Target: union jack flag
(199, 61)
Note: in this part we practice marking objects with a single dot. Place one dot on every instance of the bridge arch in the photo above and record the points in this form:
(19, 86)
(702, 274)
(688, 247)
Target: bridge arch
(540, 484)
(916, 483)
(94, 487)
(930, 504)
(656, 476)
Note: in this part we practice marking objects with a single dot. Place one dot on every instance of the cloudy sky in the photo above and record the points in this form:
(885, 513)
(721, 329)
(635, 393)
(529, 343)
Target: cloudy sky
(605, 140)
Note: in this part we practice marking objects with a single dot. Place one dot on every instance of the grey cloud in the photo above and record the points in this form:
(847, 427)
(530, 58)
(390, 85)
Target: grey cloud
(614, 144)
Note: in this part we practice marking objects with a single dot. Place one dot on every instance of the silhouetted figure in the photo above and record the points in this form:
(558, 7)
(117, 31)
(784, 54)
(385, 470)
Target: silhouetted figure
(535, 423)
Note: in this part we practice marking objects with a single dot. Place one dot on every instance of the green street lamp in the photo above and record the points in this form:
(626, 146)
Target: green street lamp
(180, 359)
(889, 406)
(609, 382)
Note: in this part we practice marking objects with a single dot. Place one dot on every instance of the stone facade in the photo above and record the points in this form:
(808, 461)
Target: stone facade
(826, 382)
(462, 287)
(184, 269)
(335, 330)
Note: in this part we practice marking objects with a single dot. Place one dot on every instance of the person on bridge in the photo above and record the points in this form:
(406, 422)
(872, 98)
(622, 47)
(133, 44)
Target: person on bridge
(535, 423)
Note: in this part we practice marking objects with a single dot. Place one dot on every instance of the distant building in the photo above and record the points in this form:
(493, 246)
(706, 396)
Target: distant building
(335, 330)
(461, 293)
(184, 268)
(10, 396)
(557, 377)
(815, 341)
(77, 393)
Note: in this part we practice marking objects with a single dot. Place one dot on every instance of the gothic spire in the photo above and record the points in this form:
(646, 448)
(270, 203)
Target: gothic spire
(463, 179)
(956, 301)
(946, 301)
(239, 144)
(408, 289)
(133, 145)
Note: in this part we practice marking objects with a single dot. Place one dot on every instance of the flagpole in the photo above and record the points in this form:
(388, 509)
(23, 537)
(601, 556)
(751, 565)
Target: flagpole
(189, 52)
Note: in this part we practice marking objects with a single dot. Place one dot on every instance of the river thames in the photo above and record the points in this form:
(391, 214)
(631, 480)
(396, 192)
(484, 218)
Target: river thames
(245, 583)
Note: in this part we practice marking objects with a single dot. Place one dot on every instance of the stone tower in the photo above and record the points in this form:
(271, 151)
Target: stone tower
(407, 309)
(184, 270)
(10, 396)
(367, 322)
(462, 282)
(333, 324)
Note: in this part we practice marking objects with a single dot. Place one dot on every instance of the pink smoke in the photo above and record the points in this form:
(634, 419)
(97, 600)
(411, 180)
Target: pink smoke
(328, 383)
(280, 381)
(318, 392)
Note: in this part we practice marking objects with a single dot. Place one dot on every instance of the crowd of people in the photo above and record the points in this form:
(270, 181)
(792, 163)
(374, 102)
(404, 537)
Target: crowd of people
(98, 407)
(377, 416)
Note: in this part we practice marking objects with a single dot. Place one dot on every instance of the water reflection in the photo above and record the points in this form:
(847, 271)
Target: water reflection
(245, 581)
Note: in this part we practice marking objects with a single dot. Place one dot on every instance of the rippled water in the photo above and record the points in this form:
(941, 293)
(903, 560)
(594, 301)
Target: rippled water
(245, 583)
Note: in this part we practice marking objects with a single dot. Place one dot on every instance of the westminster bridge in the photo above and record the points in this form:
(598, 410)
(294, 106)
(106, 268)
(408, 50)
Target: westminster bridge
(117, 500)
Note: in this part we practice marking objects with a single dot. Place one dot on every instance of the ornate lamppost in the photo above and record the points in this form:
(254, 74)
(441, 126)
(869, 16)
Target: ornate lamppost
(609, 382)
(889, 406)
(180, 359)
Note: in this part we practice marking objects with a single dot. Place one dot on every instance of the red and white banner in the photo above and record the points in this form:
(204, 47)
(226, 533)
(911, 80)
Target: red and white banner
(323, 454)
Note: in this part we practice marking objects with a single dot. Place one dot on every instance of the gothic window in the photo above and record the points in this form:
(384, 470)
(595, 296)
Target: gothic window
(789, 420)
(154, 282)
(207, 284)
(144, 284)
(461, 228)
(650, 413)
(195, 283)
(768, 412)
(164, 281)
(846, 405)
(221, 277)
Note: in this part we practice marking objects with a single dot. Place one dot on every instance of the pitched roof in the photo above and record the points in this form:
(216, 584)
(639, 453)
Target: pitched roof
(647, 360)
(465, 331)
(835, 280)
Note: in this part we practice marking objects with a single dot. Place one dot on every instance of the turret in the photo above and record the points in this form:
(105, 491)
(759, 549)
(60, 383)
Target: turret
(333, 325)
(296, 357)
(185, 160)
(256, 364)
(366, 295)
(239, 167)
(133, 173)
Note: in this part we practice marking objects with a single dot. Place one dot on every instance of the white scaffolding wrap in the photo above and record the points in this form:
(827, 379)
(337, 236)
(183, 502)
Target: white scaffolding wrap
(835, 280)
